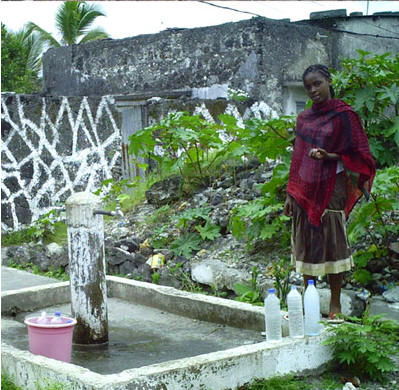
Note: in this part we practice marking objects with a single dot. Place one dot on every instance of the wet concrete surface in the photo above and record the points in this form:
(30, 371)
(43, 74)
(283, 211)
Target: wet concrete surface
(140, 336)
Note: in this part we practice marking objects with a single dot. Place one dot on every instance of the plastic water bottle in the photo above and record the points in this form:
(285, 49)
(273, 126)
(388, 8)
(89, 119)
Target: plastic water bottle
(57, 318)
(295, 313)
(42, 319)
(312, 310)
(272, 317)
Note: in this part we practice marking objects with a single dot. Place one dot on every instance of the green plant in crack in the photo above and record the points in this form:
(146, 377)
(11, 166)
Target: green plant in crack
(281, 273)
(186, 283)
(249, 293)
(218, 293)
(155, 277)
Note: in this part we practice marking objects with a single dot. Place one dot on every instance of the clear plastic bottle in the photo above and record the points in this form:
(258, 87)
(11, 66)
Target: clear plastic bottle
(42, 319)
(311, 302)
(57, 318)
(295, 313)
(272, 317)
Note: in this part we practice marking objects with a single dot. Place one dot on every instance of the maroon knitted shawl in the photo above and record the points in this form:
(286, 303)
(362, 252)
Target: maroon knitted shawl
(334, 126)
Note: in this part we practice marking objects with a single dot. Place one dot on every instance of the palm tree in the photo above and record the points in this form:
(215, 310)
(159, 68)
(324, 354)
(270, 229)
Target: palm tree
(73, 20)
(20, 59)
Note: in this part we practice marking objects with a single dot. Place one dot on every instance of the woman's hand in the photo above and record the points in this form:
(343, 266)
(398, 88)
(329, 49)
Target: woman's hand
(318, 154)
(288, 206)
(321, 154)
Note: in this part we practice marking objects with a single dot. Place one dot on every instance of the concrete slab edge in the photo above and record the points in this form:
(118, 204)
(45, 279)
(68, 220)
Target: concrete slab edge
(198, 306)
(35, 298)
(216, 371)
(230, 368)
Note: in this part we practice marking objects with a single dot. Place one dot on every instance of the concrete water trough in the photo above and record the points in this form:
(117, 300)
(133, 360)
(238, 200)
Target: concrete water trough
(159, 338)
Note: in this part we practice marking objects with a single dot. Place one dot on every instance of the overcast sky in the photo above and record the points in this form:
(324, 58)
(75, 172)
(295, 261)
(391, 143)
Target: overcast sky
(130, 18)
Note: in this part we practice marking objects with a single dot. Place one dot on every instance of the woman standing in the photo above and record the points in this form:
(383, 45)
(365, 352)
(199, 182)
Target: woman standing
(331, 168)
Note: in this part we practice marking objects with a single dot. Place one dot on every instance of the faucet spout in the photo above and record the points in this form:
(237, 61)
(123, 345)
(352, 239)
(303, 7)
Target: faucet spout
(117, 213)
(103, 212)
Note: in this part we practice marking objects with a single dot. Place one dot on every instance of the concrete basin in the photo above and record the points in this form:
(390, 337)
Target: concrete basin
(160, 338)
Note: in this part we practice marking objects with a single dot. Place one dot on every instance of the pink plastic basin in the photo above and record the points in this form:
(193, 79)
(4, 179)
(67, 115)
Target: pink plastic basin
(51, 340)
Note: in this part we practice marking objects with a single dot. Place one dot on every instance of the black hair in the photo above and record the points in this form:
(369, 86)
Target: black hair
(323, 70)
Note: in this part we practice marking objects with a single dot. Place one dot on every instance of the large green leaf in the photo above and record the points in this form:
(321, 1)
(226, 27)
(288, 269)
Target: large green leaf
(186, 244)
(391, 93)
(209, 231)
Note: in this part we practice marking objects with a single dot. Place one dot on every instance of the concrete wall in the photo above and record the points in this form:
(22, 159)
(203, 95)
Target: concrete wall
(362, 31)
(254, 55)
(257, 55)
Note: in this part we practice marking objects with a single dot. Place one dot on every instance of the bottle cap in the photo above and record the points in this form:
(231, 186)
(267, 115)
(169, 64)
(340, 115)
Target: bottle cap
(311, 281)
(293, 287)
(57, 313)
(271, 290)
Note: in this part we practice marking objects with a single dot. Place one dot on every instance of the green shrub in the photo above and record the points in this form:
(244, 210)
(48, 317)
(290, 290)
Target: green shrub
(46, 229)
(365, 346)
(187, 144)
(375, 221)
(370, 83)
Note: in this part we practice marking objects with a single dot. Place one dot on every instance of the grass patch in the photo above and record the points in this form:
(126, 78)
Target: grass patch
(7, 383)
(327, 381)
(289, 382)
(57, 234)
(59, 273)
(128, 194)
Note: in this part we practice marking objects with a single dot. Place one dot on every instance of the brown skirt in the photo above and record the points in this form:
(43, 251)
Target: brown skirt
(324, 249)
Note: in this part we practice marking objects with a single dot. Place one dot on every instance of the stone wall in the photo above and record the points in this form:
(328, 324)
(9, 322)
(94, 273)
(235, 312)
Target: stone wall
(255, 55)
(259, 56)
(53, 147)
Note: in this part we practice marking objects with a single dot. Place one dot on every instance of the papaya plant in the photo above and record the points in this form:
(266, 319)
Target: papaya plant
(188, 143)
(370, 84)
(262, 218)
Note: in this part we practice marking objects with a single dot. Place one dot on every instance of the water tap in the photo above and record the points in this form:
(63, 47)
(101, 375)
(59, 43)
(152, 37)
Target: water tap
(117, 213)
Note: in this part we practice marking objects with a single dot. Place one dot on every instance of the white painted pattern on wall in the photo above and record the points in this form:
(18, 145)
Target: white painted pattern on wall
(82, 167)
(90, 160)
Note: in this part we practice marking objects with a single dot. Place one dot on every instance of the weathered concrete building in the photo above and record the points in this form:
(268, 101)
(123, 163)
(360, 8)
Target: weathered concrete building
(74, 134)
(261, 56)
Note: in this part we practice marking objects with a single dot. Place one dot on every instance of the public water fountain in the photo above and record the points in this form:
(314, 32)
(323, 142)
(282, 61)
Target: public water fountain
(149, 336)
